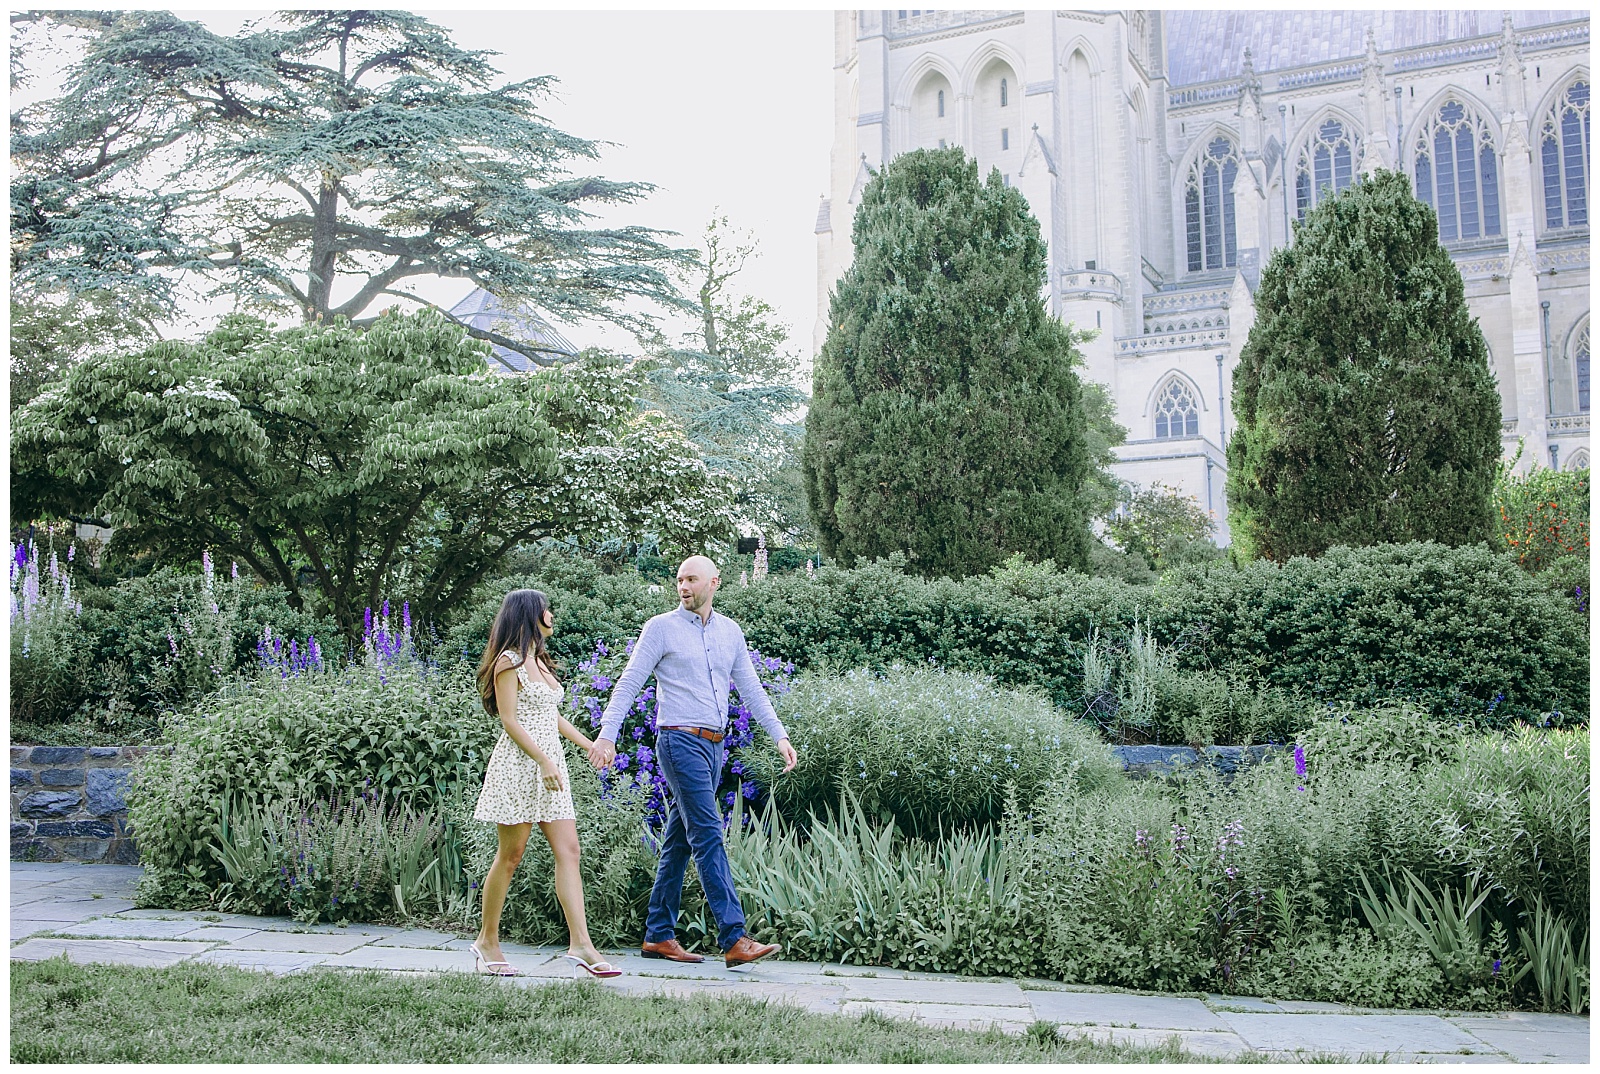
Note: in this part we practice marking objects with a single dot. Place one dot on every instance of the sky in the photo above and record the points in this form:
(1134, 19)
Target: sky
(726, 111)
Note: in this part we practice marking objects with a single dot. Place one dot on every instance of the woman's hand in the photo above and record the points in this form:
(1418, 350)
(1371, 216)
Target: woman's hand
(552, 776)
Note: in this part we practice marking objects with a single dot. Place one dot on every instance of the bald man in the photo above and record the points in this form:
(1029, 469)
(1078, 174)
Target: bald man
(693, 653)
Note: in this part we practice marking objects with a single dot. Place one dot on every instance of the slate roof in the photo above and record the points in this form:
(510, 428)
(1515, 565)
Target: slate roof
(483, 310)
(1208, 45)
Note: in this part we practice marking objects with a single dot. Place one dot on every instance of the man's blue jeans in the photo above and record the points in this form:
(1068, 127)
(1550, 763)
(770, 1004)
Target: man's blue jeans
(692, 767)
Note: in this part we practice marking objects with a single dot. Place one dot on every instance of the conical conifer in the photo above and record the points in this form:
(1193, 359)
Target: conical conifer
(1366, 409)
(946, 421)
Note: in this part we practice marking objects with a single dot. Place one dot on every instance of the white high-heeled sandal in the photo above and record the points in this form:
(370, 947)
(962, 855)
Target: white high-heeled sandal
(488, 964)
(595, 969)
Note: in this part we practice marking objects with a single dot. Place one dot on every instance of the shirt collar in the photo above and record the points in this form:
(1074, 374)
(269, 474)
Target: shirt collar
(694, 617)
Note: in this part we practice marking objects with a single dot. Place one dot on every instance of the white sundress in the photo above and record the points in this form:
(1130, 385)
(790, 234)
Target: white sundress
(513, 785)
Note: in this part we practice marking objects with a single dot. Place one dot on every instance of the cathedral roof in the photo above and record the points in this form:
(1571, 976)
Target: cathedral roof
(484, 311)
(1207, 45)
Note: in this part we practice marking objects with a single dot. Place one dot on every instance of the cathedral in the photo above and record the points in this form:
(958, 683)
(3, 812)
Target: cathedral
(1165, 153)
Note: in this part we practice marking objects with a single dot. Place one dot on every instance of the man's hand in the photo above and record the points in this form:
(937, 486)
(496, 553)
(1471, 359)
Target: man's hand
(602, 753)
(786, 751)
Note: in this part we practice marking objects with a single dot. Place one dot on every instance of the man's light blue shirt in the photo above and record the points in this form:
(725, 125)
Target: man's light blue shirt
(693, 662)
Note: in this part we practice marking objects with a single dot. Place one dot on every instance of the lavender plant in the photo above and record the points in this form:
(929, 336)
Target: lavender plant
(48, 655)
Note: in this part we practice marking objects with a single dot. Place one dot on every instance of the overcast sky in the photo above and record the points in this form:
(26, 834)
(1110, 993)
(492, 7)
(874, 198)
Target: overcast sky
(719, 109)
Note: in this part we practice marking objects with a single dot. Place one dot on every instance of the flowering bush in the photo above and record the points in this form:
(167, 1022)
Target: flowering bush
(590, 689)
(48, 658)
(1544, 515)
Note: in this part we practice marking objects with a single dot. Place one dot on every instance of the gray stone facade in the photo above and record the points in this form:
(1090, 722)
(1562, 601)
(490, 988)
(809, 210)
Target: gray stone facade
(67, 803)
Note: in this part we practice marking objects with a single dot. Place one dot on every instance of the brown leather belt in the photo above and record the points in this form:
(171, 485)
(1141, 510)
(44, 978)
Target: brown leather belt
(698, 732)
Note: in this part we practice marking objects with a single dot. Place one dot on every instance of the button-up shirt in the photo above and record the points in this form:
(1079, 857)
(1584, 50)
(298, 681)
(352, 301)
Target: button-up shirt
(693, 662)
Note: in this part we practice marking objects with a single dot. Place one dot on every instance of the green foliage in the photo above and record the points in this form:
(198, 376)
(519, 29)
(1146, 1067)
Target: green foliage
(317, 150)
(1515, 809)
(1449, 924)
(1352, 965)
(946, 421)
(587, 606)
(1556, 965)
(1544, 523)
(1366, 409)
(51, 333)
(405, 733)
(932, 750)
(48, 662)
(1400, 734)
(343, 464)
(332, 860)
(1164, 526)
(731, 384)
(1460, 631)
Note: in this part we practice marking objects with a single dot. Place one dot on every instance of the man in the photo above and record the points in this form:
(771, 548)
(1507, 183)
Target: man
(693, 652)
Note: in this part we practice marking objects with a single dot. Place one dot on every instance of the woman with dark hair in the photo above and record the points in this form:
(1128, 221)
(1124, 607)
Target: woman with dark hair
(526, 782)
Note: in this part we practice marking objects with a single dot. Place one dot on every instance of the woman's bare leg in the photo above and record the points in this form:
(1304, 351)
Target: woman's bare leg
(563, 837)
(513, 841)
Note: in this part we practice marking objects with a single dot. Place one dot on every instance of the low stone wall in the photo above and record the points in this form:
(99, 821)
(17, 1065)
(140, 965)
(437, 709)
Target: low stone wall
(1142, 762)
(67, 803)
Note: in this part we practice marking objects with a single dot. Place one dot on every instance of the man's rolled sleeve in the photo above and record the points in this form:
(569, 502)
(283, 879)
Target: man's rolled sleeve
(646, 655)
(753, 695)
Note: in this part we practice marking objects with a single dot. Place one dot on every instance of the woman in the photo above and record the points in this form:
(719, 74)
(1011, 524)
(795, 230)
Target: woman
(526, 782)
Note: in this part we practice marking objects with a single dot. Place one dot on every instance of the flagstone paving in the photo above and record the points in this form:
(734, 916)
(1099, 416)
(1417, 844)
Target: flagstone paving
(86, 913)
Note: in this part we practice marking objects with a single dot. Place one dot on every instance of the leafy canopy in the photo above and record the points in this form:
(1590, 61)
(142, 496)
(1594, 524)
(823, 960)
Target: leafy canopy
(345, 463)
(318, 165)
(1367, 412)
(730, 384)
(946, 420)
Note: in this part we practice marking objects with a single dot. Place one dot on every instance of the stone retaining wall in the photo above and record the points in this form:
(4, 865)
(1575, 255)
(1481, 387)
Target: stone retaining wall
(67, 803)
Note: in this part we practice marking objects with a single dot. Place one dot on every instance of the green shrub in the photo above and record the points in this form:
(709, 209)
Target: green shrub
(1404, 734)
(1543, 514)
(1516, 809)
(1453, 629)
(1352, 965)
(356, 860)
(401, 731)
(930, 749)
(587, 605)
(168, 638)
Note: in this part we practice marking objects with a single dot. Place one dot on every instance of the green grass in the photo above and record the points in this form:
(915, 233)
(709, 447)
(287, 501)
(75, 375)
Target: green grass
(67, 1013)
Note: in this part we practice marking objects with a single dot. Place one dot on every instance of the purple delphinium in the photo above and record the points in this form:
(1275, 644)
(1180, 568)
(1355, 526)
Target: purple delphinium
(367, 631)
(405, 616)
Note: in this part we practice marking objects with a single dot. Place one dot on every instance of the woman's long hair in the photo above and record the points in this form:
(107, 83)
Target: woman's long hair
(516, 628)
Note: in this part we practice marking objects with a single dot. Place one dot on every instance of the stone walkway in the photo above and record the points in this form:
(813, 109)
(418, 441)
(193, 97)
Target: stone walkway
(86, 912)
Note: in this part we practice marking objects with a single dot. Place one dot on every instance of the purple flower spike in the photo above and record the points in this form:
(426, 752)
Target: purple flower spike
(367, 632)
(1300, 761)
(386, 607)
(405, 615)
(72, 550)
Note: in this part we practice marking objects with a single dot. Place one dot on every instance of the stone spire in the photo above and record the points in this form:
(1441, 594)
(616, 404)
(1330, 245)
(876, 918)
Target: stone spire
(1513, 97)
(1251, 119)
(1380, 149)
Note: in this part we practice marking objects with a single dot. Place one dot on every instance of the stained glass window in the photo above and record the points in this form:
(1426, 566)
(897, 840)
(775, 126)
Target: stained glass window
(1176, 413)
(1208, 207)
(1457, 172)
(1564, 153)
(1328, 163)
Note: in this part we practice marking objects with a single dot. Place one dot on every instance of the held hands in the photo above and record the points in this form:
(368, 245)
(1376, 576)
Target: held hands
(602, 753)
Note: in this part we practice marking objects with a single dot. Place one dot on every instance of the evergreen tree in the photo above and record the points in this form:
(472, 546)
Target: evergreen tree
(1366, 408)
(946, 420)
(316, 164)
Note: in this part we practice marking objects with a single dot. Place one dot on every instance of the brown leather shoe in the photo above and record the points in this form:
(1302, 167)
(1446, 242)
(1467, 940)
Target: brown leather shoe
(745, 951)
(669, 949)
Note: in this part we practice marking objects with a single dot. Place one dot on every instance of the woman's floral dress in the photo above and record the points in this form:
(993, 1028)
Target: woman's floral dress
(513, 786)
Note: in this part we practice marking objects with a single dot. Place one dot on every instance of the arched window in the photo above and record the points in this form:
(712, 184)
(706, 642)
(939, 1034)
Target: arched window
(1458, 174)
(1564, 152)
(1327, 165)
(941, 104)
(1580, 364)
(1176, 413)
(1208, 207)
(1005, 93)
(1579, 460)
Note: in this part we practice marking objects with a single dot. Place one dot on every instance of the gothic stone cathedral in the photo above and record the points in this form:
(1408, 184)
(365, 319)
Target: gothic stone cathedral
(1165, 152)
